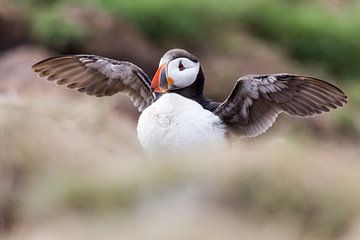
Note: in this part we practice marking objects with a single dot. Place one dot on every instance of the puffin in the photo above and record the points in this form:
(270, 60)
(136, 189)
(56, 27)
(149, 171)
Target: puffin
(176, 115)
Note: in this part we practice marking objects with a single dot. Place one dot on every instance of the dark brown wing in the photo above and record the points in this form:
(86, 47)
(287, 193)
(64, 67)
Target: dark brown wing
(256, 100)
(98, 76)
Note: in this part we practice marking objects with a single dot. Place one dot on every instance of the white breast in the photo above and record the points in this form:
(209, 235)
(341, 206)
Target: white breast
(177, 124)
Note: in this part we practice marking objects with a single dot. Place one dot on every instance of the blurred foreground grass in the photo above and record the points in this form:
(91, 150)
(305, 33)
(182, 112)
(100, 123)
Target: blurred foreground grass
(80, 174)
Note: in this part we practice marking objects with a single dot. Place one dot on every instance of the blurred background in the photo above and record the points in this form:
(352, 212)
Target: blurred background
(71, 166)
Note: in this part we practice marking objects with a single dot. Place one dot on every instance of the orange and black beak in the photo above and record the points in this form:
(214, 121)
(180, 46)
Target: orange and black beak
(160, 83)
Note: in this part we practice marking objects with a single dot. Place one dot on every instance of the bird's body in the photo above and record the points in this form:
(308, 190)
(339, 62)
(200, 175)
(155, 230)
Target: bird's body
(176, 115)
(178, 124)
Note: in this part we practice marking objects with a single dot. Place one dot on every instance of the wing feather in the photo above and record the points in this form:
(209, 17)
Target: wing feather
(256, 101)
(98, 76)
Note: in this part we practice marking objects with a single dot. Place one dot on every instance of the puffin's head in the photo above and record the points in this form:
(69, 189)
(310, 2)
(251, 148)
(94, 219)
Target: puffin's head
(178, 69)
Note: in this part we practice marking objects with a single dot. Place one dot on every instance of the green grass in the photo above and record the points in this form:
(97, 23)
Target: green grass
(51, 29)
(180, 20)
(310, 32)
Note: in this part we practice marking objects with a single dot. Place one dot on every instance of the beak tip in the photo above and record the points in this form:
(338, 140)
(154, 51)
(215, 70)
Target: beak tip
(159, 83)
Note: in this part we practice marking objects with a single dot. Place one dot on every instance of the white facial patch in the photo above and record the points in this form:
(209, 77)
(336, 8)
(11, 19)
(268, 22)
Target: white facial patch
(183, 72)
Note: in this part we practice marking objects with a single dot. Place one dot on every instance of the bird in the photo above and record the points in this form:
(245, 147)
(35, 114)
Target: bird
(175, 113)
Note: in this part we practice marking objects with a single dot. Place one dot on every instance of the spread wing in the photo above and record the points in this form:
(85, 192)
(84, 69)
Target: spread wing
(98, 76)
(256, 101)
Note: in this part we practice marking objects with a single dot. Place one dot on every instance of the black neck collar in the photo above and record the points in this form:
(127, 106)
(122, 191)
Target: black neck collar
(196, 92)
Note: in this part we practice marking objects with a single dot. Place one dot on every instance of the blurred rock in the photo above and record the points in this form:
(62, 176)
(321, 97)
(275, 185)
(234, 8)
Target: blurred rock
(13, 26)
(17, 76)
(113, 38)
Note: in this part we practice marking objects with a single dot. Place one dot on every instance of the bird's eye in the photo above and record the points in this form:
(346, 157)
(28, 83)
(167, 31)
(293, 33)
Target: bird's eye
(181, 66)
